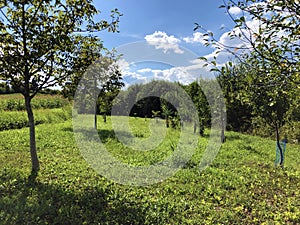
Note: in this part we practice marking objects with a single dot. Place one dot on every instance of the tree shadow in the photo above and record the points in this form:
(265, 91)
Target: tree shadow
(107, 134)
(104, 134)
(67, 129)
(251, 149)
(232, 137)
(33, 202)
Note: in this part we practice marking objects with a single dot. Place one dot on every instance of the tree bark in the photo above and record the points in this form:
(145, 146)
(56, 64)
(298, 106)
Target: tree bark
(33, 153)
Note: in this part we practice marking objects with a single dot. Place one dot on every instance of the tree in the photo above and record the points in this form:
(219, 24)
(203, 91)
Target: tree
(106, 78)
(110, 89)
(200, 101)
(233, 82)
(87, 49)
(37, 42)
(269, 94)
(269, 50)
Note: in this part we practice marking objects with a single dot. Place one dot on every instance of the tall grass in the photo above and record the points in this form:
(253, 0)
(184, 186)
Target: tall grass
(18, 119)
(15, 102)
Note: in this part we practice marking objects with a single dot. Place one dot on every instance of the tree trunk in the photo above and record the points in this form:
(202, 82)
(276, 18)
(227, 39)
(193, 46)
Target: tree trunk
(96, 102)
(278, 145)
(95, 120)
(33, 153)
(223, 139)
(167, 122)
(104, 117)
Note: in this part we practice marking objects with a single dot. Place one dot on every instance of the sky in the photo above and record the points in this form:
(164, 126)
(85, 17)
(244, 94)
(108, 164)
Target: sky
(157, 39)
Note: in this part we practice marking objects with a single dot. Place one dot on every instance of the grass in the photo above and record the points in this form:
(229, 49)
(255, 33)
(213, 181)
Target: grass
(18, 119)
(16, 102)
(241, 186)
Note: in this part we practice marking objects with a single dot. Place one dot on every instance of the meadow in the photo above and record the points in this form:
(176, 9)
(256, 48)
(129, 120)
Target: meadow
(48, 109)
(15, 102)
(241, 186)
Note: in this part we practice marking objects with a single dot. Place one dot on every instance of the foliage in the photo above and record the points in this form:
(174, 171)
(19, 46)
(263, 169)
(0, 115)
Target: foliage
(109, 90)
(275, 40)
(38, 42)
(41, 36)
(194, 91)
(95, 84)
(157, 101)
(268, 53)
(240, 187)
(239, 114)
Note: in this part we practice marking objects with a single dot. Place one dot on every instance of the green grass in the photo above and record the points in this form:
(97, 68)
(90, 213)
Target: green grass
(18, 119)
(241, 186)
(47, 109)
(16, 102)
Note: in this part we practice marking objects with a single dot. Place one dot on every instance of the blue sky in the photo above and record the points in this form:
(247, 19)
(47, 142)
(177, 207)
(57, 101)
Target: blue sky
(167, 26)
(175, 17)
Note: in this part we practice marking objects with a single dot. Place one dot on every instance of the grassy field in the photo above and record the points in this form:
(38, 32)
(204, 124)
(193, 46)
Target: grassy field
(47, 109)
(15, 102)
(241, 186)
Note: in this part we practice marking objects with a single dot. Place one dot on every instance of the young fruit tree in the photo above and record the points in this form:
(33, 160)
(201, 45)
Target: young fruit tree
(266, 42)
(37, 42)
(96, 79)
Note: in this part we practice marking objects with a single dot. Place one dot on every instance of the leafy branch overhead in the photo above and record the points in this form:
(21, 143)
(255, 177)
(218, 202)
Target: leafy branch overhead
(268, 30)
(38, 39)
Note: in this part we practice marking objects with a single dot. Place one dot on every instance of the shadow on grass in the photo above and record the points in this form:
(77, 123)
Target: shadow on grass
(232, 137)
(107, 134)
(252, 149)
(104, 134)
(24, 202)
(67, 129)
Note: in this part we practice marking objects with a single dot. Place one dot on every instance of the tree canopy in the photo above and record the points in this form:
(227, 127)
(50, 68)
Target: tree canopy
(266, 56)
(38, 39)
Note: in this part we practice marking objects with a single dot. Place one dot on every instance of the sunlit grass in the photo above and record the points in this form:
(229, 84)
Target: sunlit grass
(241, 186)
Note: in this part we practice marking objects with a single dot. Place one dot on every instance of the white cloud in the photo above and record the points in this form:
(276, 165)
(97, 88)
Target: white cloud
(145, 70)
(123, 65)
(163, 41)
(235, 10)
(197, 38)
(183, 74)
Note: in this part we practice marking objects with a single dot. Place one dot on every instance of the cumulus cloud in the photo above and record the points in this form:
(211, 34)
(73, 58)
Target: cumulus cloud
(235, 10)
(183, 74)
(173, 74)
(196, 38)
(165, 42)
(145, 70)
